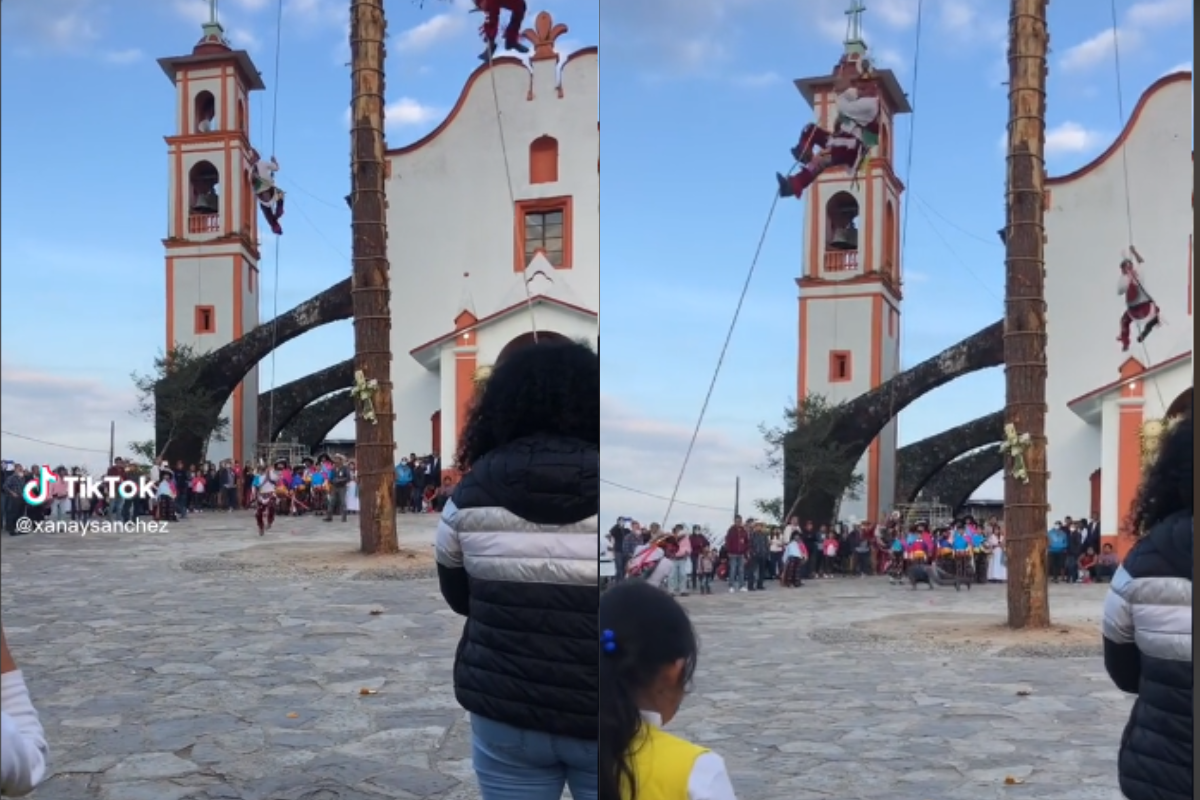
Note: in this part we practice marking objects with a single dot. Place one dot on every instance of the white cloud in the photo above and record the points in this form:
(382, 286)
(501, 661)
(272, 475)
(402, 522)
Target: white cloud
(1185, 67)
(1099, 49)
(244, 38)
(127, 56)
(1159, 13)
(1140, 20)
(63, 410)
(1065, 139)
(431, 32)
(646, 454)
(54, 26)
(757, 80)
(406, 113)
(193, 11)
(1071, 137)
(253, 6)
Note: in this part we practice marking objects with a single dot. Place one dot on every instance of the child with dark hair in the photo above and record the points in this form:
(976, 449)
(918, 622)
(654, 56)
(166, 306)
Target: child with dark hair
(648, 653)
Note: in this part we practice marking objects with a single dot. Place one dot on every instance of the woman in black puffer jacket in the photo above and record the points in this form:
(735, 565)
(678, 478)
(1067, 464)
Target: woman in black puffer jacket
(1148, 629)
(517, 556)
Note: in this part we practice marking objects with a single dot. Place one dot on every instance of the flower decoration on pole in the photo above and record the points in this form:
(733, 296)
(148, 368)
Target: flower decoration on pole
(363, 394)
(1014, 447)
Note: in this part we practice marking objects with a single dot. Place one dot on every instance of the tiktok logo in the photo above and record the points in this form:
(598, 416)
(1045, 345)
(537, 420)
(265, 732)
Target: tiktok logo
(38, 492)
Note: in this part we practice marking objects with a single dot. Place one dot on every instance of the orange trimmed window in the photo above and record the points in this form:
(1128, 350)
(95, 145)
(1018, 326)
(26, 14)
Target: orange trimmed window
(206, 319)
(544, 226)
(839, 366)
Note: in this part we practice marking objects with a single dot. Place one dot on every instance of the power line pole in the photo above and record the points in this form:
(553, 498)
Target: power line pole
(1025, 497)
(375, 437)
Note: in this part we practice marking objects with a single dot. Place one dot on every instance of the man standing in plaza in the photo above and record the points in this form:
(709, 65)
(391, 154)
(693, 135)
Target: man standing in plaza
(339, 480)
(737, 547)
(617, 535)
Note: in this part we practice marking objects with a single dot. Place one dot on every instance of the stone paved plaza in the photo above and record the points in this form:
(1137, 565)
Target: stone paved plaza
(180, 667)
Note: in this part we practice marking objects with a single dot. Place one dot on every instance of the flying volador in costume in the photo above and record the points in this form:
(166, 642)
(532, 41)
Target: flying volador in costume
(1139, 305)
(491, 25)
(854, 133)
(262, 181)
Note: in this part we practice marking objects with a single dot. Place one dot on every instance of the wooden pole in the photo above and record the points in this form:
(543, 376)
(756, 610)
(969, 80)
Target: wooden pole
(1025, 501)
(371, 293)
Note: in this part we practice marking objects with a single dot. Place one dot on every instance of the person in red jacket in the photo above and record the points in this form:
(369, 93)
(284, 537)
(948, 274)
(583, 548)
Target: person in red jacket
(737, 547)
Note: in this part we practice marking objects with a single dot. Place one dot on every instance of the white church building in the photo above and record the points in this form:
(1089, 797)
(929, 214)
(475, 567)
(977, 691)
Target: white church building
(1099, 398)
(494, 230)
(493, 221)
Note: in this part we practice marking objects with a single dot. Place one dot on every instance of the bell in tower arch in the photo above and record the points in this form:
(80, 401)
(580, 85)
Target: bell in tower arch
(844, 238)
(841, 214)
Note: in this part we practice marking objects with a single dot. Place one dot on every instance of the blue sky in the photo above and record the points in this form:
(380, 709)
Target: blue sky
(86, 108)
(699, 111)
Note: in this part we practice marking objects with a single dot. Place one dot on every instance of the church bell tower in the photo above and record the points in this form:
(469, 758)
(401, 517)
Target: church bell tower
(851, 276)
(212, 235)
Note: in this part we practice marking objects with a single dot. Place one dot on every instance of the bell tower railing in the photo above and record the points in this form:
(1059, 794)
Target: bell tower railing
(204, 223)
(841, 261)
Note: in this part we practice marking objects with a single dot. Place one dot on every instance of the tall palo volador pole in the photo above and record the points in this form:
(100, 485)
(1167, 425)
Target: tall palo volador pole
(375, 438)
(1025, 499)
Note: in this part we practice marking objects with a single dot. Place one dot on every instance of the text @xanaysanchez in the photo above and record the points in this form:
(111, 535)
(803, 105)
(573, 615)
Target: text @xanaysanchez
(91, 527)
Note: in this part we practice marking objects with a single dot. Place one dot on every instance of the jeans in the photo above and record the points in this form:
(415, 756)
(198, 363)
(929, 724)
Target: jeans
(1058, 565)
(737, 572)
(677, 581)
(620, 562)
(514, 764)
(862, 563)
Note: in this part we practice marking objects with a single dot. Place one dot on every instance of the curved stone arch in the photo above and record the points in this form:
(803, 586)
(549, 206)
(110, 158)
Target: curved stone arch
(227, 366)
(958, 480)
(312, 425)
(279, 406)
(919, 462)
(862, 419)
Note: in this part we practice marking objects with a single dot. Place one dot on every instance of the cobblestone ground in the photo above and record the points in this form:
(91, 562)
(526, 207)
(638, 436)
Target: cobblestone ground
(803, 704)
(161, 675)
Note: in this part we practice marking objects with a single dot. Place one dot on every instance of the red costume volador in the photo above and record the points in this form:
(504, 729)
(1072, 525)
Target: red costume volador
(491, 25)
(1139, 306)
(854, 133)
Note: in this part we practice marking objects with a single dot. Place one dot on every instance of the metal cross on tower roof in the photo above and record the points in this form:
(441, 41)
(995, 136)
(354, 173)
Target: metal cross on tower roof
(854, 33)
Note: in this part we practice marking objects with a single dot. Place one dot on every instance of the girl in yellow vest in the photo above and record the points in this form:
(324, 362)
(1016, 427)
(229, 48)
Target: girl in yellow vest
(648, 653)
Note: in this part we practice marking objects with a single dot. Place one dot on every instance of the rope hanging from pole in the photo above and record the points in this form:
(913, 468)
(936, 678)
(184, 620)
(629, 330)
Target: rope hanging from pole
(908, 163)
(512, 198)
(1129, 200)
(275, 286)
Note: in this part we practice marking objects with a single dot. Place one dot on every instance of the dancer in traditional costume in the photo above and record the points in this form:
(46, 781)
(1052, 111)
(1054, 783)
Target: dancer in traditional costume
(964, 558)
(895, 568)
(266, 485)
(262, 181)
(491, 25)
(981, 551)
(1139, 306)
(855, 132)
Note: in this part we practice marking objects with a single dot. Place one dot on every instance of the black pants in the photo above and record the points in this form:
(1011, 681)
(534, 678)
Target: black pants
(1058, 565)
(403, 497)
(756, 567)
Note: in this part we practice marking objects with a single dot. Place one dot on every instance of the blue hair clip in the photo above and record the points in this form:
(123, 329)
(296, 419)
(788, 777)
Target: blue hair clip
(609, 641)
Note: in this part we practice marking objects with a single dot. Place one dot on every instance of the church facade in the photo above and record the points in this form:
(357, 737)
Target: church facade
(494, 233)
(1104, 403)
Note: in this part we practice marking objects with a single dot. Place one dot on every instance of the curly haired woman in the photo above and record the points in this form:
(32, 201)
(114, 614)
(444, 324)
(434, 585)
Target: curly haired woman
(1148, 629)
(516, 555)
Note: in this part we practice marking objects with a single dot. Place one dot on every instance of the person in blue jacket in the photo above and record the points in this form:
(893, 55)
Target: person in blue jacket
(1057, 546)
(404, 479)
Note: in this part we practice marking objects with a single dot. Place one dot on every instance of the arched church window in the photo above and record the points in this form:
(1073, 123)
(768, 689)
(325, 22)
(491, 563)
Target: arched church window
(543, 160)
(204, 198)
(891, 240)
(841, 214)
(205, 106)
